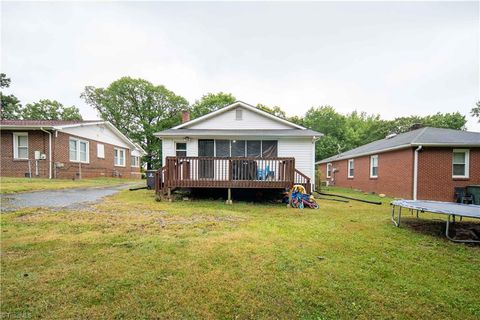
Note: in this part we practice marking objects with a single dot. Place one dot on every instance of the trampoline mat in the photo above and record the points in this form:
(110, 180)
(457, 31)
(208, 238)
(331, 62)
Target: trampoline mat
(448, 208)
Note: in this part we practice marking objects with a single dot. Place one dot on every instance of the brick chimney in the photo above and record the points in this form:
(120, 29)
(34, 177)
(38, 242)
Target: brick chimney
(185, 116)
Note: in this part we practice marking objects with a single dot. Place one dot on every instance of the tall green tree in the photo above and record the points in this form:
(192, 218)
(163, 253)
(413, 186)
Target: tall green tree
(476, 111)
(275, 110)
(138, 109)
(454, 120)
(49, 110)
(9, 104)
(211, 102)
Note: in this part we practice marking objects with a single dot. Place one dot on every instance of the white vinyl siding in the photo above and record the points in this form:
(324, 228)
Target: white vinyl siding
(100, 150)
(119, 157)
(79, 150)
(351, 168)
(374, 166)
(250, 120)
(460, 163)
(300, 149)
(20, 145)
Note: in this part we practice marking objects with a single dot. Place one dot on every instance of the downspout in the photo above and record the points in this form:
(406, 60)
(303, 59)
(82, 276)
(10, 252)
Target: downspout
(415, 172)
(49, 152)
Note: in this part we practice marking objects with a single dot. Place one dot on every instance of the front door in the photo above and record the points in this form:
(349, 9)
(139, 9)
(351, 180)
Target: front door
(206, 148)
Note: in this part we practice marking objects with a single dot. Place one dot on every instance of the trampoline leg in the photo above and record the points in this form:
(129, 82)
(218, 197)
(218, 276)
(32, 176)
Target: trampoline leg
(417, 213)
(454, 240)
(397, 221)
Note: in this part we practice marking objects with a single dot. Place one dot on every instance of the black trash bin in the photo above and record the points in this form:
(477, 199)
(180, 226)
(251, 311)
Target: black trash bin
(151, 179)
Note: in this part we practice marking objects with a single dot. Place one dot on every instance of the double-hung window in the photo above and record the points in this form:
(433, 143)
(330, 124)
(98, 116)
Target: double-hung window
(180, 149)
(374, 166)
(329, 170)
(460, 163)
(119, 157)
(351, 168)
(135, 161)
(79, 150)
(20, 145)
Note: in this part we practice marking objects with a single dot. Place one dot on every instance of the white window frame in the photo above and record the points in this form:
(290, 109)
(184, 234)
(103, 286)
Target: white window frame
(116, 158)
(239, 114)
(371, 166)
(100, 147)
(467, 163)
(15, 144)
(351, 166)
(329, 172)
(135, 161)
(77, 141)
(177, 149)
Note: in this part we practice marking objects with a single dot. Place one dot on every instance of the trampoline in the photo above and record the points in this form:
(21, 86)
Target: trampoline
(450, 209)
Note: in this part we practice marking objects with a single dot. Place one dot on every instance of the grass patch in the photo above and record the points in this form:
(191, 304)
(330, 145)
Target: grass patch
(15, 185)
(132, 257)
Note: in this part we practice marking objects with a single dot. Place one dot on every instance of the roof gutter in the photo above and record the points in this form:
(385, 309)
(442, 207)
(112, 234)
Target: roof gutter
(49, 152)
(403, 146)
(415, 172)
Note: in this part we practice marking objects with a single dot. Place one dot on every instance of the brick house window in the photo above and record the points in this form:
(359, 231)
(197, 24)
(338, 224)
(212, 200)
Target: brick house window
(20, 145)
(329, 170)
(374, 166)
(460, 163)
(119, 157)
(351, 169)
(79, 150)
(181, 149)
(135, 161)
(100, 150)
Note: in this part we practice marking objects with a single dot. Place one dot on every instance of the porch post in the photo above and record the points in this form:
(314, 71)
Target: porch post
(229, 198)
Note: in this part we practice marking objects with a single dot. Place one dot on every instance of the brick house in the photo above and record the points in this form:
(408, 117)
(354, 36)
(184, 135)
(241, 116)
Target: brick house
(67, 149)
(426, 164)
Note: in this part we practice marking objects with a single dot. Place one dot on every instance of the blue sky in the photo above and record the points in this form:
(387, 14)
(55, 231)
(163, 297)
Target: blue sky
(390, 58)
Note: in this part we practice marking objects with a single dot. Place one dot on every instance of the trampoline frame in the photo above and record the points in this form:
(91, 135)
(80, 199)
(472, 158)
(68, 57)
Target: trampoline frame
(450, 218)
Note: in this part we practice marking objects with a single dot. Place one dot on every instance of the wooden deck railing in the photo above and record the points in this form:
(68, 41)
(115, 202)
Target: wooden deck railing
(229, 172)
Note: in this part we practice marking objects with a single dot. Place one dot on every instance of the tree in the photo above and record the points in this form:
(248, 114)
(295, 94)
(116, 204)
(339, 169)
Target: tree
(211, 102)
(49, 110)
(476, 111)
(453, 120)
(276, 111)
(9, 105)
(138, 109)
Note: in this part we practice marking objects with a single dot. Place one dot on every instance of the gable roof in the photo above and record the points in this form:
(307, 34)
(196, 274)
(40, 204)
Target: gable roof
(428, 136)
(62, 124)
(237, 104)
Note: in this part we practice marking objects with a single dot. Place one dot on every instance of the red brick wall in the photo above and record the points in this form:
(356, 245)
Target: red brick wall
(435, 180)
(37, 141)
(395, 174)
(60, 148)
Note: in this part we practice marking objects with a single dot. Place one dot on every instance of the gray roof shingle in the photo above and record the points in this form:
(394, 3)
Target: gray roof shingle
(236, 133)
(424, 136)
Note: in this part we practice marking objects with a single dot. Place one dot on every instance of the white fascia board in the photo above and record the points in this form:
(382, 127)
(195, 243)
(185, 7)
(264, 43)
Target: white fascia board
(364, 154)
(234, 105)
(16, 127)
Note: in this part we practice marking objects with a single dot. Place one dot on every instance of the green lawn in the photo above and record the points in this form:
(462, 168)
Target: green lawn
(134, 258)
(14, 185)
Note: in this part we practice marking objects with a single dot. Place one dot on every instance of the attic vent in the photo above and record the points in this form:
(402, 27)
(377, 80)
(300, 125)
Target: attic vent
(391, 135)
(238, 114)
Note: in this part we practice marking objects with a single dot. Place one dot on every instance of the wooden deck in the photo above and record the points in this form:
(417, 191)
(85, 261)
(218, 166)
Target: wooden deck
(229, 172)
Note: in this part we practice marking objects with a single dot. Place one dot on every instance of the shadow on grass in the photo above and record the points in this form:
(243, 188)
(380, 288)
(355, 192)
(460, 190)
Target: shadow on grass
(460, 230)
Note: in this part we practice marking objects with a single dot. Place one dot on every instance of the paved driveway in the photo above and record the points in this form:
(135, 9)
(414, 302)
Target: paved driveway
(57, 199)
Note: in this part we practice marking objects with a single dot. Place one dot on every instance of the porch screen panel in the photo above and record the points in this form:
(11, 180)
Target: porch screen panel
(222, 148)
(269, 148)
(254, 148)
(238, 148)
(206, 148)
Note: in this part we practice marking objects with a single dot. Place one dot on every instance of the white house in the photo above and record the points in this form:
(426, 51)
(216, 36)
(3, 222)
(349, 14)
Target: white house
(238, 146)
